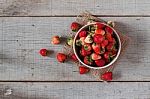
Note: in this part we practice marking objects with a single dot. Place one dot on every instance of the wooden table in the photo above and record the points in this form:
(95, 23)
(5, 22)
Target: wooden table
(28, 25)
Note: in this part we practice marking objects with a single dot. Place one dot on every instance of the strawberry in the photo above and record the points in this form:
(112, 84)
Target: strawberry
(96, 48)
(61, 57)
(99, 31)
(110, 46)
(114, 52)
(99, 25)
(98, 38)
(107, 55)
(82, 40)
(87, 47)
(75, 26)
(83, 70)
(109, 30)
(82, 33)
(43, 52)
(104, 43)
(100, 62)
(55, 40)
(88, 39)
(95, 56)
(111, 23)
(107, 76)
(74, 58)
(83, 52)
(88, 60)
(109, 37)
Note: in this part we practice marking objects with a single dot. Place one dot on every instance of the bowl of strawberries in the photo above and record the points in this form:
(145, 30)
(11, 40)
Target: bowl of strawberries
(97, 45)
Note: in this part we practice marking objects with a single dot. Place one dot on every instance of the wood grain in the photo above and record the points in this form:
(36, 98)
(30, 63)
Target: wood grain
(77, 90)
(23, 37)
(73, 7)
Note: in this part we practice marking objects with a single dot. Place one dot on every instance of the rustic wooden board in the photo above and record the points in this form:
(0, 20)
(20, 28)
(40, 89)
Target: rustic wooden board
(22, 37)
(73, 7)
(76, 90)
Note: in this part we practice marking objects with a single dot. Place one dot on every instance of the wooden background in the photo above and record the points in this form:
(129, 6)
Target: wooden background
(28, 25)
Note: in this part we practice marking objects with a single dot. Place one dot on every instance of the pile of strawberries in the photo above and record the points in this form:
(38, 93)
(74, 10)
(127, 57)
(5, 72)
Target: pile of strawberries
(96, 45)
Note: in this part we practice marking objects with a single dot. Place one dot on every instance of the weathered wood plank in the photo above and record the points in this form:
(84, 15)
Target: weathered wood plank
(24, 36)
(77, 90)
(73, 7)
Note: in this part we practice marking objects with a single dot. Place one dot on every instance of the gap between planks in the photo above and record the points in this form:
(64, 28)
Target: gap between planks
(76, 15)
(65, 81)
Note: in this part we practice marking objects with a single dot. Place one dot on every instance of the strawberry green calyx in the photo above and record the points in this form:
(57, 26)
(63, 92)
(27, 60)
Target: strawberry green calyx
(78, 43)
(70, 41)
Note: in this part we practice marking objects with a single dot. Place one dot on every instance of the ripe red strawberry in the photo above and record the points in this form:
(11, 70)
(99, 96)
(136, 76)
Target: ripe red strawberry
(43, 52)
(96, 48)
(109, 37)
(98, 38)
(87, 47)
(109, 30)
(107, 55)
(61, 57)
(55, 40)
(82, 40)
(95, 56)
(99, 25)
(114, 52)
(83, 70)
(88, 60)
(99, 31)
(100, 62)
(75, 26)
(107, 76)
(83, 52)
(73, 57)
(82, 34)
(110, 46)
(104, 43)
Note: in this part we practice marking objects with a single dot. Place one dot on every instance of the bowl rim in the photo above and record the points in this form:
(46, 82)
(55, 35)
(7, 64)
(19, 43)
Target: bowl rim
(113, 61)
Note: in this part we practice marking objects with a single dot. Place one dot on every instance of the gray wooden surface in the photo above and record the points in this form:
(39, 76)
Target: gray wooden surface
(28, 25)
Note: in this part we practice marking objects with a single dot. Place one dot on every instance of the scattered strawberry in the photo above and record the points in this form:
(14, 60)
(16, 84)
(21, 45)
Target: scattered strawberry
(74, 58)
(61, 57)
(87, 47)
(55, 40)
(75, 26)
(88, 39)
(43, 52)
(88, 60)
(99, 25)
(107, 76)
(109, 30)
(100, 62)
(104, 43)
(98, 38)
(83, 70)
(95, 56)
(82, 34)
(83, 52)
(99, 31)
